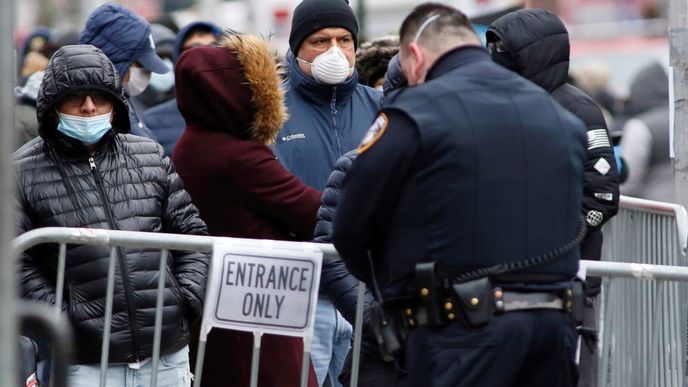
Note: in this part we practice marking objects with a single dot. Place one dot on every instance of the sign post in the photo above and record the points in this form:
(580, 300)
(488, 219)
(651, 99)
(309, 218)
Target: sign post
(262, 287)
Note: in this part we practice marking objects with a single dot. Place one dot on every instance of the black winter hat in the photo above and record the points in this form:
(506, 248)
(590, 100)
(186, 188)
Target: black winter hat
(313, 15)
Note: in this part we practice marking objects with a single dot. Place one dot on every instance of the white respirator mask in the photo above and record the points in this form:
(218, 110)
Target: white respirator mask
(331, 67)
(139, 78)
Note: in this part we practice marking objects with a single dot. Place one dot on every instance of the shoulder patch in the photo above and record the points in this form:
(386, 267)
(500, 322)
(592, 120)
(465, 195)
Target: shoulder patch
(374, 133)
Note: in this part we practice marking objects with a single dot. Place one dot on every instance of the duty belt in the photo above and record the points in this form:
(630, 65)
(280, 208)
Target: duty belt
(438, 301)
(500, 301)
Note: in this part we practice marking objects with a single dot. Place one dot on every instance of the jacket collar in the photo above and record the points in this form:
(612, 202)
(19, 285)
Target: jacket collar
(315, 91)
(72, 149)
(456, 58)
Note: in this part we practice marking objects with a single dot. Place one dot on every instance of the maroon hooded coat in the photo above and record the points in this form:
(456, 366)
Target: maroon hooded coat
(231, 99)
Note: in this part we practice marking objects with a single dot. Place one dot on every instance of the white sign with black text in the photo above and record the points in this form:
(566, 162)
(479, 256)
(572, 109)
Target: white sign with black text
(265, 286)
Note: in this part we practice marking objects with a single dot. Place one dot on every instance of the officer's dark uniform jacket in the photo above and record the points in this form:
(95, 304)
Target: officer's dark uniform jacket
(475, 167)
(538, 49)
(128, 184)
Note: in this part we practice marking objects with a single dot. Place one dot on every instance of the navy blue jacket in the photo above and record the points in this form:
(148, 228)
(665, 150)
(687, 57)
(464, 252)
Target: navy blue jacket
(475, 167)
(336, 282)
(166, 122)
(325, 122)
(138, 126)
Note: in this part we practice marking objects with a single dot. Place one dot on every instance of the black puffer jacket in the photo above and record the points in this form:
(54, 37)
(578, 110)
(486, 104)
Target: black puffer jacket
(537, 47)
(127, 184)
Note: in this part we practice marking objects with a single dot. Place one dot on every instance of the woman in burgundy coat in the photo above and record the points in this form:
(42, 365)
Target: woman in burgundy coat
(231, 99)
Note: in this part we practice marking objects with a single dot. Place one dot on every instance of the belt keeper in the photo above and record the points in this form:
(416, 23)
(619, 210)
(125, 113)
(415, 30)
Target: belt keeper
(427, 282)
(499, 300)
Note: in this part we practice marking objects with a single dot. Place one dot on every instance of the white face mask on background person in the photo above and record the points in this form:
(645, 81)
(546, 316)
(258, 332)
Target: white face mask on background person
(139, 78)
(331, 67)
(162, 83)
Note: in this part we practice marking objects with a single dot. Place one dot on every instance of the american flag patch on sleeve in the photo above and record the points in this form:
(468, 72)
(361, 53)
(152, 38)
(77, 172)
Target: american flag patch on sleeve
(598, 138)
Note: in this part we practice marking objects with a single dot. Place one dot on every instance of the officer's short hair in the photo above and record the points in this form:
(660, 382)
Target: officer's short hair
(446, 22)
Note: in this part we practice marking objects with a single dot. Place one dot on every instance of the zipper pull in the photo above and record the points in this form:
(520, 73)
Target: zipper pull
(92, 163)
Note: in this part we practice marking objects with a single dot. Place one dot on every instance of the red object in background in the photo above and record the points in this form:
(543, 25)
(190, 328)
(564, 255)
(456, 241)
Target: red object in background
(281, 15)
(281, 23)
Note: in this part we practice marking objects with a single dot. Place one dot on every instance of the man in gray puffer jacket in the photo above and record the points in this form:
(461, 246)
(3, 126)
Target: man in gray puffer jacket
(86, 171)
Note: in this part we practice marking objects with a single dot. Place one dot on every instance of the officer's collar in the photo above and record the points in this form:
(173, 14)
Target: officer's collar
(457, 57)
(318, 92)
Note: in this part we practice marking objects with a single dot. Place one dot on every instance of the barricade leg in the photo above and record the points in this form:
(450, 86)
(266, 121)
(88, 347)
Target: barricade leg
(604, 306)
(109, 296)
(59, 284)
(657, 328)
(255, 359)
(200, 357)
(158, 316)
(305, 363)
(358, 334)
(59, 291)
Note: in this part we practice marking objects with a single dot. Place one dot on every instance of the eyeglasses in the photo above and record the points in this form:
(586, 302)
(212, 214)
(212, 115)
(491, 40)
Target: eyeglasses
(77, 98)
(497, 46)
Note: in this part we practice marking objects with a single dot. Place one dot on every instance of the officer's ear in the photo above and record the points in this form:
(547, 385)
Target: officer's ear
(415, 74)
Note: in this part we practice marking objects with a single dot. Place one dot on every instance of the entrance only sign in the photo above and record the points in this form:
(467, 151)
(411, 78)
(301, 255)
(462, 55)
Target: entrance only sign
(263, 286)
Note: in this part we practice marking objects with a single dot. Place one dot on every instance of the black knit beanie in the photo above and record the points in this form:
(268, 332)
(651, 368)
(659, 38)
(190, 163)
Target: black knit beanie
(313, 15)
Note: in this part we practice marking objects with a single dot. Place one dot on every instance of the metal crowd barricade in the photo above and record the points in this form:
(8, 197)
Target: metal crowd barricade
(643, 324)
(666, 370)
(158, 241)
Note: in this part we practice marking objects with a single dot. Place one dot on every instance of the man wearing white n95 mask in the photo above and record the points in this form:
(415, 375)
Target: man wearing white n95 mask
(329, 113)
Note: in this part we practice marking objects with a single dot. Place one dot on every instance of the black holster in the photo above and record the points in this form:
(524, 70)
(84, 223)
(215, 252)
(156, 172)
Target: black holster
(389, 328)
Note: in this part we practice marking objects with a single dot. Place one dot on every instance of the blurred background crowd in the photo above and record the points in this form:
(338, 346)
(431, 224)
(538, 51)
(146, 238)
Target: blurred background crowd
(619, 55)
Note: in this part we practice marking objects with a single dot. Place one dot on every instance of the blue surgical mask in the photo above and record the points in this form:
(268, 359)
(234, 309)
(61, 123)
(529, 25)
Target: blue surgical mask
(162, 83)
(88, 130)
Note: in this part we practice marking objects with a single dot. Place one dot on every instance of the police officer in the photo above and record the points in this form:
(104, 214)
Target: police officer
(469, 167)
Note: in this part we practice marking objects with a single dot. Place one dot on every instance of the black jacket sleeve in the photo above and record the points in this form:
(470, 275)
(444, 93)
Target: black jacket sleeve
(370, 188)
(180, 216)
(601, 186)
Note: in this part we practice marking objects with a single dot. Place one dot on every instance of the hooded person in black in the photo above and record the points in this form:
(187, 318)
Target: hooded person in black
(96, 175)
(535, 44)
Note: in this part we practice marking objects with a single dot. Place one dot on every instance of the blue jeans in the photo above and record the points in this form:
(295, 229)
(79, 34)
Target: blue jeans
(173, 371)
(331, 342)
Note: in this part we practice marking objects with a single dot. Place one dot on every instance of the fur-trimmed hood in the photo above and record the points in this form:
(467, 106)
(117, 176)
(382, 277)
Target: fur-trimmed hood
(234, 88)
